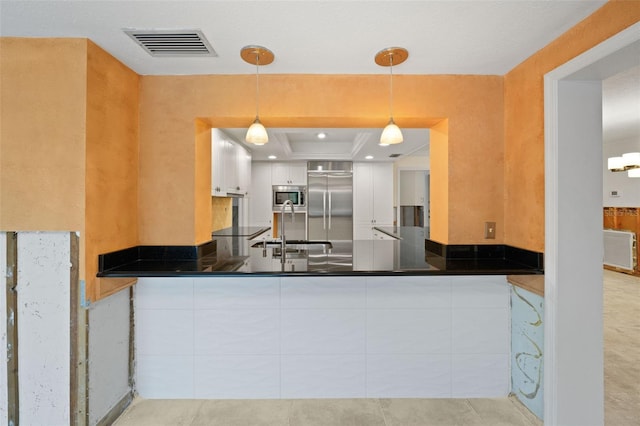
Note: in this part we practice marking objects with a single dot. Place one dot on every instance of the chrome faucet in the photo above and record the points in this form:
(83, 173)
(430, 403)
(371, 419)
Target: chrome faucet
(283, 241)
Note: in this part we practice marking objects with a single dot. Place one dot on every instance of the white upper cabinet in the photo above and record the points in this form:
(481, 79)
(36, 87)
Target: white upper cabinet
(230, 166)
(412, 187)
(289, 173)
(260, 203)
(372, 198)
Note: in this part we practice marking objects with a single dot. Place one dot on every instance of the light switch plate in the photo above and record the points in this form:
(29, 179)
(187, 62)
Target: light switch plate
(490, 230)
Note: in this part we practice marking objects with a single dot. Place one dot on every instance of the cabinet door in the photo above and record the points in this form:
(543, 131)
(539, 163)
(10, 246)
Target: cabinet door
(289, 174)
(298, 173)
(218, 156)
(279, 174)
(362, 202)
(260, 203)
(382, 193)
(244, 169)
(232, 175)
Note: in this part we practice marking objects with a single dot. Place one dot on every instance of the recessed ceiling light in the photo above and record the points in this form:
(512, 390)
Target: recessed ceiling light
(383, 144)
(369, 157)
(322, 135)
(272, 157)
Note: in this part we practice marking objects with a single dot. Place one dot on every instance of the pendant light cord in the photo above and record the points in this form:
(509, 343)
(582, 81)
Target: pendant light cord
(257, 84)
(391, 87)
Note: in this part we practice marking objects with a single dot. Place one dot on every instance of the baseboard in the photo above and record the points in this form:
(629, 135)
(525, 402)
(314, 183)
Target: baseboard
(116, 410)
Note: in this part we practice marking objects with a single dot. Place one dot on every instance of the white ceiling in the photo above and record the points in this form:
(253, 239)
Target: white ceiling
(314, 37)
(621, 106)
(339, 144)
(331, 37)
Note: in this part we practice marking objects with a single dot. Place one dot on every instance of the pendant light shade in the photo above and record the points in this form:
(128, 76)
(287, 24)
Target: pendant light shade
(391, 134)
(388, 58)
(257, 134)
(634, 173)
(257, 55)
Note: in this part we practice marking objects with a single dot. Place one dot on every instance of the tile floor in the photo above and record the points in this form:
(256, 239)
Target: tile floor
(622, 391)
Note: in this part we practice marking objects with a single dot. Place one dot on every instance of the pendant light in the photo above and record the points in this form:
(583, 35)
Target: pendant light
(388, 58)
(629, 162)
(257, 55)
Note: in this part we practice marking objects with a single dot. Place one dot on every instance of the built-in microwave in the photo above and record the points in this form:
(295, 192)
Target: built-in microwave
(297, 194)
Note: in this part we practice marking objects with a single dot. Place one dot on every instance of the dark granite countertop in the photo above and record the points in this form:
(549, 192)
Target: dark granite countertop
(237, 255)
(241, 231)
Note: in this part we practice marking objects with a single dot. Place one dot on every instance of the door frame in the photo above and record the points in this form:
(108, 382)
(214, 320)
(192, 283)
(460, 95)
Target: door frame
(573, 358)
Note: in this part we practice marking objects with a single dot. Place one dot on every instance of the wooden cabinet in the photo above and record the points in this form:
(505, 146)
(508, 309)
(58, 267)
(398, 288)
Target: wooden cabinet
(230, 166)
(372, 198)
(289, 173)
(260, 203)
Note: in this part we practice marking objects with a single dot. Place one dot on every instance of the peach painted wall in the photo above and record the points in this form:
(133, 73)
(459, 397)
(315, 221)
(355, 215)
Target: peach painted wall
(111, 198)
(524, 119)
(43, 95)
(170, 163)
(223, 213)
(69, 146)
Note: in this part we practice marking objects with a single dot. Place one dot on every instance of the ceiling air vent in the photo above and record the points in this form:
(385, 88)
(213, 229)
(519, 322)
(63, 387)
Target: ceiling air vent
(394, 155)
(174, 43)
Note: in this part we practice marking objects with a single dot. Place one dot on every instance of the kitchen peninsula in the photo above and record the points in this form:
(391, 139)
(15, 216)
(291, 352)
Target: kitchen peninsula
(368, 318)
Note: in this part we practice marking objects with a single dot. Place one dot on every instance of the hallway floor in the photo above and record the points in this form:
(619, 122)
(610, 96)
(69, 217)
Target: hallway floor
(622, 391)
(621, 349)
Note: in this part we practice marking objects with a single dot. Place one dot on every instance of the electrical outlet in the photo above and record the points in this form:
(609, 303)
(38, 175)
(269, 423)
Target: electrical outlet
(490, 230)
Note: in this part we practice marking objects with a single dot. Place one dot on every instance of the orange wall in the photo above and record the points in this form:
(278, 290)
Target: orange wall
(524, 119)
(43, 101)
(170, 162)
(69, 146)
(42, 133)
(111, 180)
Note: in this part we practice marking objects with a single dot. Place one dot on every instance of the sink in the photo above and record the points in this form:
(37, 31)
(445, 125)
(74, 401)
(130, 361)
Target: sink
(295, 245)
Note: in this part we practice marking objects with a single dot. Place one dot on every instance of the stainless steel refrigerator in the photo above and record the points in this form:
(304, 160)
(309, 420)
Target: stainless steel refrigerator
(330, 200)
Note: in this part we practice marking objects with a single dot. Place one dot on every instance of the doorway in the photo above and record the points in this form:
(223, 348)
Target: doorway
(574, 390)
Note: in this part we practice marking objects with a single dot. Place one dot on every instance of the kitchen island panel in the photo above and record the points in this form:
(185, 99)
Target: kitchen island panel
(236, 377)
(320, 339)
(480, 376)
(323, 376)
(323, 331)
(408, 293)
(323, 292)
(237, 293)
(404, 331)
(408, 376)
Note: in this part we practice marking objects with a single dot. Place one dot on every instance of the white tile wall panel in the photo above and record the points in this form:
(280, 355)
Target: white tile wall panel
(323, 331)
(409, 292)
(164, 293)
(164, 332)
(323, 376)
(409, 331)
(484, 291)
(237, 377)
(408, 376)
(165, 377)
(323, 292)
(237, 293)
(332, 337)
(480, 376)
(481, 331)
(241, 331)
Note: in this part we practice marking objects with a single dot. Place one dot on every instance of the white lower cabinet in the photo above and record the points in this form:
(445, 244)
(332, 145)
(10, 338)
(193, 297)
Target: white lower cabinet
(322, 337)
(372, 198)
